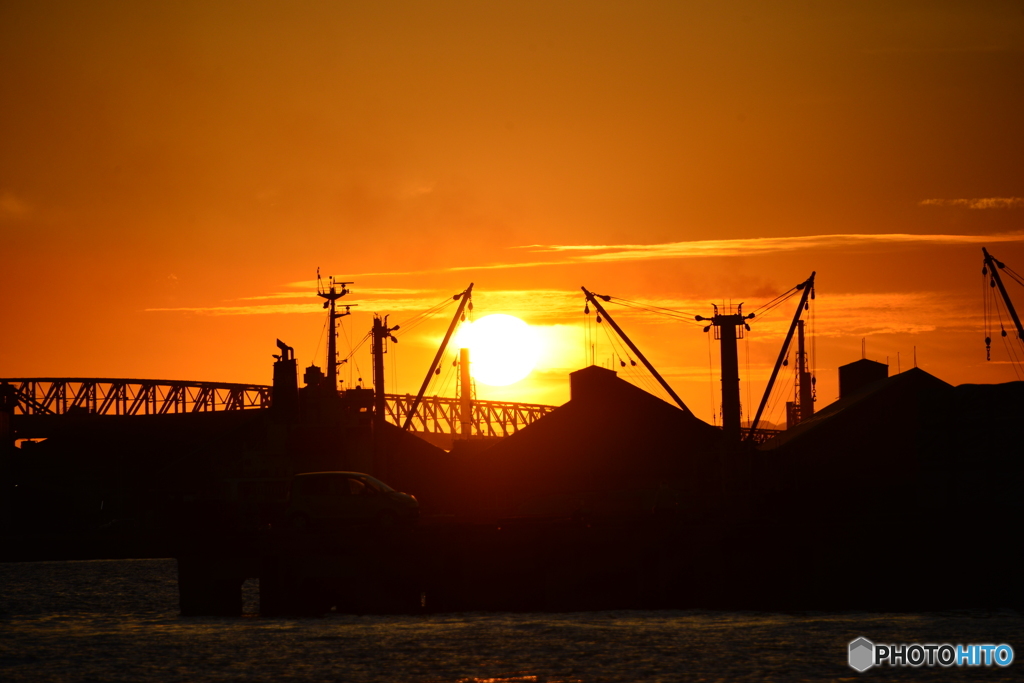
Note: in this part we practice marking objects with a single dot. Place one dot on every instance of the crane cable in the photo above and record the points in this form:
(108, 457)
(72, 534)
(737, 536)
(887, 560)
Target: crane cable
(588, 336)
(711, 383)
(777, 301)
(1011, 349)
(779, 391)
(760, 312)
(986, 315)
(642, 378)
(993, 308)
(418, 319)
(657, 310)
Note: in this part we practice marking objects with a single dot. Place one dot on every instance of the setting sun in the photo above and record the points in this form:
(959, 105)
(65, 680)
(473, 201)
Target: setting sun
(503, 349)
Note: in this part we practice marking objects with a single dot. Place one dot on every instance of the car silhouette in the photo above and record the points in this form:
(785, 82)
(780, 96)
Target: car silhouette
(321, 498)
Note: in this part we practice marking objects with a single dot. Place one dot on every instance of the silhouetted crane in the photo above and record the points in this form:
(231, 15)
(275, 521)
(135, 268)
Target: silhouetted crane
(593, 298)
(808, 292)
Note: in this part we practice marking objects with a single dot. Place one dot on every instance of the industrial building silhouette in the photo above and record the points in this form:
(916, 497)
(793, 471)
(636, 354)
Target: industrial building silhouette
(901, 494)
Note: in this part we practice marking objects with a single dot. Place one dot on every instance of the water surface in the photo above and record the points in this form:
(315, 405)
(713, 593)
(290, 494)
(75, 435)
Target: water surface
(117, 620)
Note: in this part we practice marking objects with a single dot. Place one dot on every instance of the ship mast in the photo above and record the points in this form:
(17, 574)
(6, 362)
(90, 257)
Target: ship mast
(729, 328)
(334, 291)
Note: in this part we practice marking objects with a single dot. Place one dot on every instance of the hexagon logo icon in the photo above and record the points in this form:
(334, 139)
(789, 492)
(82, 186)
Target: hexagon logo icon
(862, 654)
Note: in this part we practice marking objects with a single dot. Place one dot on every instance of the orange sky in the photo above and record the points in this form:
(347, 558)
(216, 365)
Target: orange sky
(168, 170)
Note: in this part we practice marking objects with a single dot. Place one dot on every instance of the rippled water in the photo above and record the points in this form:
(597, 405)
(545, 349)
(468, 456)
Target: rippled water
(118, 620)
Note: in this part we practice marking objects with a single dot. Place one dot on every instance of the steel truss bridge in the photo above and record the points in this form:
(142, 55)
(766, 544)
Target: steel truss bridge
(67, 396)
(440, 415)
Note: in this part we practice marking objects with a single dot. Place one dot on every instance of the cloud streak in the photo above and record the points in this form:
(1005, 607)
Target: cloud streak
(360, 291)
(756, 246)
(534, 304)
(549, 304)
(979, 203)
(575, 254)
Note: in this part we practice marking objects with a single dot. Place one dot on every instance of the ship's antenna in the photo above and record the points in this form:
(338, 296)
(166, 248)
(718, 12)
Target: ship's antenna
(334, 291)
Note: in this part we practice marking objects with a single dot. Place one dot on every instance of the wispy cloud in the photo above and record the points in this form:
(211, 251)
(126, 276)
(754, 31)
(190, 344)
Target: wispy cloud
(534, 304)
(359, 292)
(457, 269)
(978, 203)
(755, 246)
(570, 254)
(265, 309)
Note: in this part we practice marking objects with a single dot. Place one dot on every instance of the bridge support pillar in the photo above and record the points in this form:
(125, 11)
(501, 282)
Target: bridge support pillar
(8, 400)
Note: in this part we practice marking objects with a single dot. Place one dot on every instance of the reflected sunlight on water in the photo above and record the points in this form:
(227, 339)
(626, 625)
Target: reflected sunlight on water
(118, 621)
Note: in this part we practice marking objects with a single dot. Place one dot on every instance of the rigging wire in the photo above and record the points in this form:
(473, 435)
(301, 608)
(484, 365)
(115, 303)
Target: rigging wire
(320, 339)
(618, 349)
(657, 310)
(746, 353)
(1015, 361)
(449, 376)
(588, 336)
(406, 326)
(1011, 349)
(814, 354)
(394, 368)
(776, 301)
(1014, 275)
(711, 382)
(762, 311)
(418, 319)
(644, 379)
(985, 296)
(638, 378)
(348, 343)
(776, 400)
(993, 308)
(358, 346)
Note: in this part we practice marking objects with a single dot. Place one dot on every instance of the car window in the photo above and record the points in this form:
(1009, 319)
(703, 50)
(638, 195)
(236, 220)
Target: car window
(370, 487)
(316, 486)
(355, 486)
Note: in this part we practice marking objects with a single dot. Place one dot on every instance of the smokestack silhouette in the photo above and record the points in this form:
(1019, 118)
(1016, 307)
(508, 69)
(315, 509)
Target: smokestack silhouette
(285, 397)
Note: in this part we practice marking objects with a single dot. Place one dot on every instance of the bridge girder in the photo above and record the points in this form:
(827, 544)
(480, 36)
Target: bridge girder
(53, 396)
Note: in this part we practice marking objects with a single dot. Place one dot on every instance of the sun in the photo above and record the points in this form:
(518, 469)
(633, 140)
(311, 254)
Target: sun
(502, 349)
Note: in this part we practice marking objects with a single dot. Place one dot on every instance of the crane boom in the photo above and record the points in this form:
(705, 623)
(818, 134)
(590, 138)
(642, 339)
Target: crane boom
(592, 298)
(993, 266)
(465, 298)
(808, 287)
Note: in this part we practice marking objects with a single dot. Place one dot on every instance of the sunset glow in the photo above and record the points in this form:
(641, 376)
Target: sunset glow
(185, 168)
(503, 349)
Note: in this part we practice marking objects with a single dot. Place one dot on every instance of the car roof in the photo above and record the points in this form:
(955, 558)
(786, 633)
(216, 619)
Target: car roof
(350, 474)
